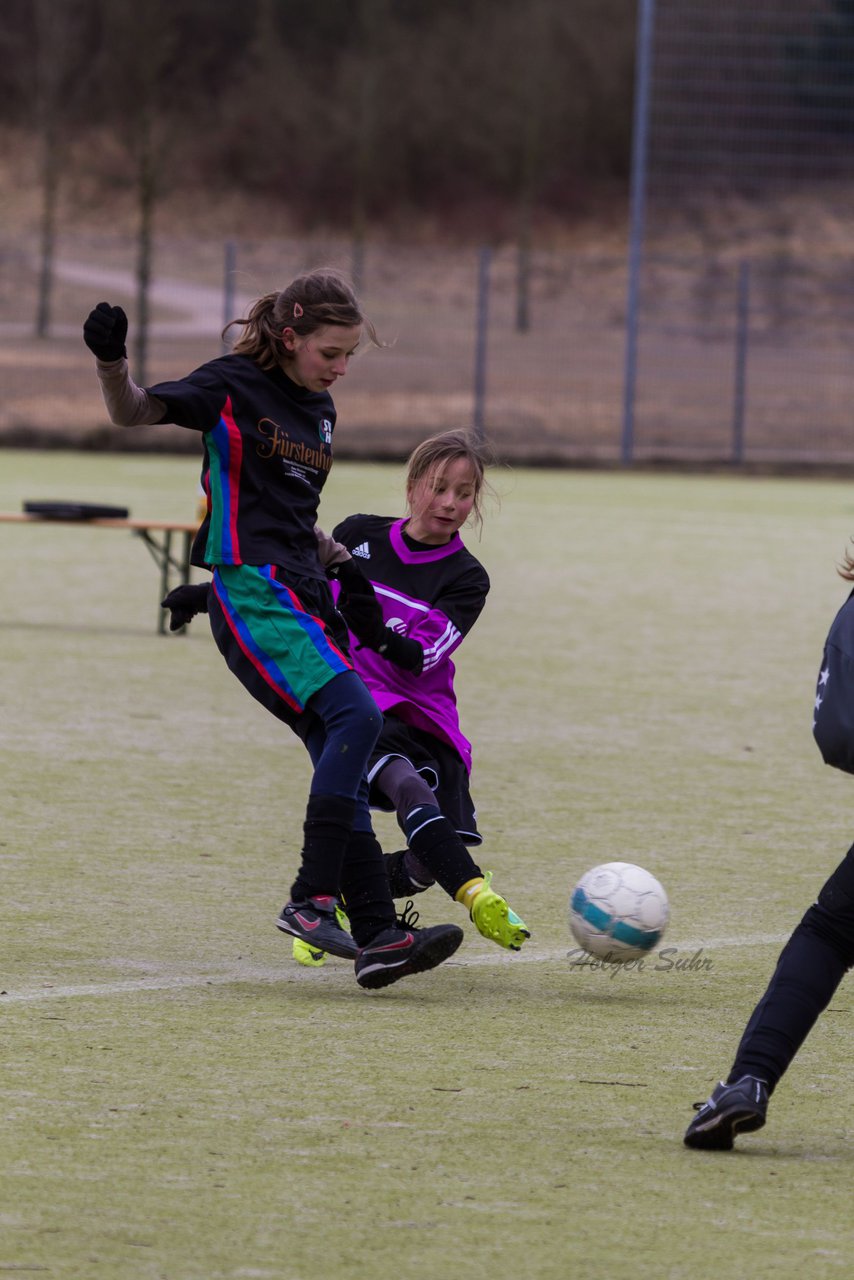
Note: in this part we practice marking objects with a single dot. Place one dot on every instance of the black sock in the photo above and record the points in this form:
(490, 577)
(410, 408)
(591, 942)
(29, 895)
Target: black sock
(364, 884)
(326, 832)
(437, 845)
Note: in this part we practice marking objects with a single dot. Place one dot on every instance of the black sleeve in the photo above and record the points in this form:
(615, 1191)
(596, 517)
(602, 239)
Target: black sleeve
(833, 709)
(195, 401)
(833, 720)
(462, 602)
(345, 531)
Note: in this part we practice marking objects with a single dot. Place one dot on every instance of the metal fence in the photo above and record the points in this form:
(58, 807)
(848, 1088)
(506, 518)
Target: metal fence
(543, 385)
(723, 335)
(741, 280)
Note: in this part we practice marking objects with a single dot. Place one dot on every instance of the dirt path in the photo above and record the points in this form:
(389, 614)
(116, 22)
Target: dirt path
(200, 307)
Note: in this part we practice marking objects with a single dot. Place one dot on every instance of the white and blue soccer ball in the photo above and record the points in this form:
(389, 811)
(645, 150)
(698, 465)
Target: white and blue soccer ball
(618, 911)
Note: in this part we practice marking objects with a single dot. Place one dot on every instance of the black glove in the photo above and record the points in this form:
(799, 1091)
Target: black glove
(362, 613)
(403, 651)
(185, 602)
(105, 330)
(351, 577)
(358, 604)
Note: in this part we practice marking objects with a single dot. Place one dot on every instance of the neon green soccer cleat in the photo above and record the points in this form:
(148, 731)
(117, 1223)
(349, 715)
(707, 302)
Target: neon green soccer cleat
(495, 919)
(312, 957)
(305, 954)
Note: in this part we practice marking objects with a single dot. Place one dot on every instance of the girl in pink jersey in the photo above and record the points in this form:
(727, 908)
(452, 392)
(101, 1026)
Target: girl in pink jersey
(431, 590)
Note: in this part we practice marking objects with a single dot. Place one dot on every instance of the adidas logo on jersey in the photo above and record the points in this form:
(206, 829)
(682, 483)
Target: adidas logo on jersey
(362, 550)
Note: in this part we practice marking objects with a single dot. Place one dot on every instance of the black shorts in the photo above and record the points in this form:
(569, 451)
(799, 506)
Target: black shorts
(439, 765)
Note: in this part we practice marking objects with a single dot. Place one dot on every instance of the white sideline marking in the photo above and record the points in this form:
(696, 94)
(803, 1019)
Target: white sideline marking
(130, 986)
(288, 971)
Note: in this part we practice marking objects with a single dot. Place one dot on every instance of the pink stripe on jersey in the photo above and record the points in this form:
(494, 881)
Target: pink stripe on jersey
(235, 462)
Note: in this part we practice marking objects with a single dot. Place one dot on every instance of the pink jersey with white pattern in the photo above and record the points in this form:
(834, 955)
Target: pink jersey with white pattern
(433, 595)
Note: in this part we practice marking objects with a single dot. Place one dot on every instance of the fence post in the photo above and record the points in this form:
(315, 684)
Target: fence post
(742, 329)
(523, 287)
(357, 268)
(646, 25)
(229, 276)
(484, 263)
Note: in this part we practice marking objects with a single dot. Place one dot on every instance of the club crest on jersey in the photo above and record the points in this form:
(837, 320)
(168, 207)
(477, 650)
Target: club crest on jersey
(324, 430)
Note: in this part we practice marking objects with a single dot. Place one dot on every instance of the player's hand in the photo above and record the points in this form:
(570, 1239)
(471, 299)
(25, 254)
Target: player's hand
(359, 605)
(185, 602)
(403, 651)
(105, 331)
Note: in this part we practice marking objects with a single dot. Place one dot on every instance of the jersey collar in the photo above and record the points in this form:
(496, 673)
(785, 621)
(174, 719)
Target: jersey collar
(430, 554)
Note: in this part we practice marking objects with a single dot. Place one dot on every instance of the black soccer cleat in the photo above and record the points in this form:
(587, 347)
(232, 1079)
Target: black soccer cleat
(314, 921)
(732, 1109)
(403, 949)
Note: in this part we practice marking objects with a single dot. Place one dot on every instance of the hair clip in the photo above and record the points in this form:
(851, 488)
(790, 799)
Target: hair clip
(297, 311)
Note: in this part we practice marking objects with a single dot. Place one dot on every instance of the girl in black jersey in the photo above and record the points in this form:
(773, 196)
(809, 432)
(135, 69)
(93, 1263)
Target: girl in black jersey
(820, 949)
(266, 419)
(431, 590)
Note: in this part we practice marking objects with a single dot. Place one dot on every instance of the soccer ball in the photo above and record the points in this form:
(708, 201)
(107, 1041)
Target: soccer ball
(618, 912)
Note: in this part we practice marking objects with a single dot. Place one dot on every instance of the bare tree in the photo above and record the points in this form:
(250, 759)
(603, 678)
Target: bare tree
(58, 33)
(141, 71)
(348, 110)
(41, 47)
(374, 21)
(535, 74)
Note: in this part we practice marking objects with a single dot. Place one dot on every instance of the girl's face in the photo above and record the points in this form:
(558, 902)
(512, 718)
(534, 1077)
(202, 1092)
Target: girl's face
(441, 502)
(318, 359)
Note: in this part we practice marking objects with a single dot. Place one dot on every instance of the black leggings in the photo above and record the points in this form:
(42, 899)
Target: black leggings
(339, 728)
(810, 968)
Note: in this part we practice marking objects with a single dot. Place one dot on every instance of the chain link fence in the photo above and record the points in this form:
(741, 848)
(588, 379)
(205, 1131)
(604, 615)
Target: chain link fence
(541, 380)
(741, 293)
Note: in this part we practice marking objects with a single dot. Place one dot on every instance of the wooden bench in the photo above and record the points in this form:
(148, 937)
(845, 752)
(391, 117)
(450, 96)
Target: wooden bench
(174, 564)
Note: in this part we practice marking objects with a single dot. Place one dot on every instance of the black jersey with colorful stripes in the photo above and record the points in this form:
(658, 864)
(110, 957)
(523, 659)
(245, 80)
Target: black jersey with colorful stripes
(268, 451)
(434, 594)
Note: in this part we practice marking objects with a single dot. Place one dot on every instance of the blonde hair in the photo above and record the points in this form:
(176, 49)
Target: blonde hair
(429, 459)
(308, 303)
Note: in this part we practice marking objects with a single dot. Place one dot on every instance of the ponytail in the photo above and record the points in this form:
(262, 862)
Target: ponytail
(308, 303)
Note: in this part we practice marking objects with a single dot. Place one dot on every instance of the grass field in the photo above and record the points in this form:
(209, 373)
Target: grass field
(184, 1103)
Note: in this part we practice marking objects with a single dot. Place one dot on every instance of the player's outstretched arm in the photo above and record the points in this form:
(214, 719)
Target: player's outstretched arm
(105, 332)
(364, 616)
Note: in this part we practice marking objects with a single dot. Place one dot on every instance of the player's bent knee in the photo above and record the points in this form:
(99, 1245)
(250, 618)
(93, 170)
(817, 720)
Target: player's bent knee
(404, 786)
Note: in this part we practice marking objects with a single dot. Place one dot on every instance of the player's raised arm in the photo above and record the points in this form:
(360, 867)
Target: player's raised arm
(105, 332)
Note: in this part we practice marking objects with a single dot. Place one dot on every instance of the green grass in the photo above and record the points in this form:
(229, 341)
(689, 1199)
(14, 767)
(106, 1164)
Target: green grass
(184, 1103)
